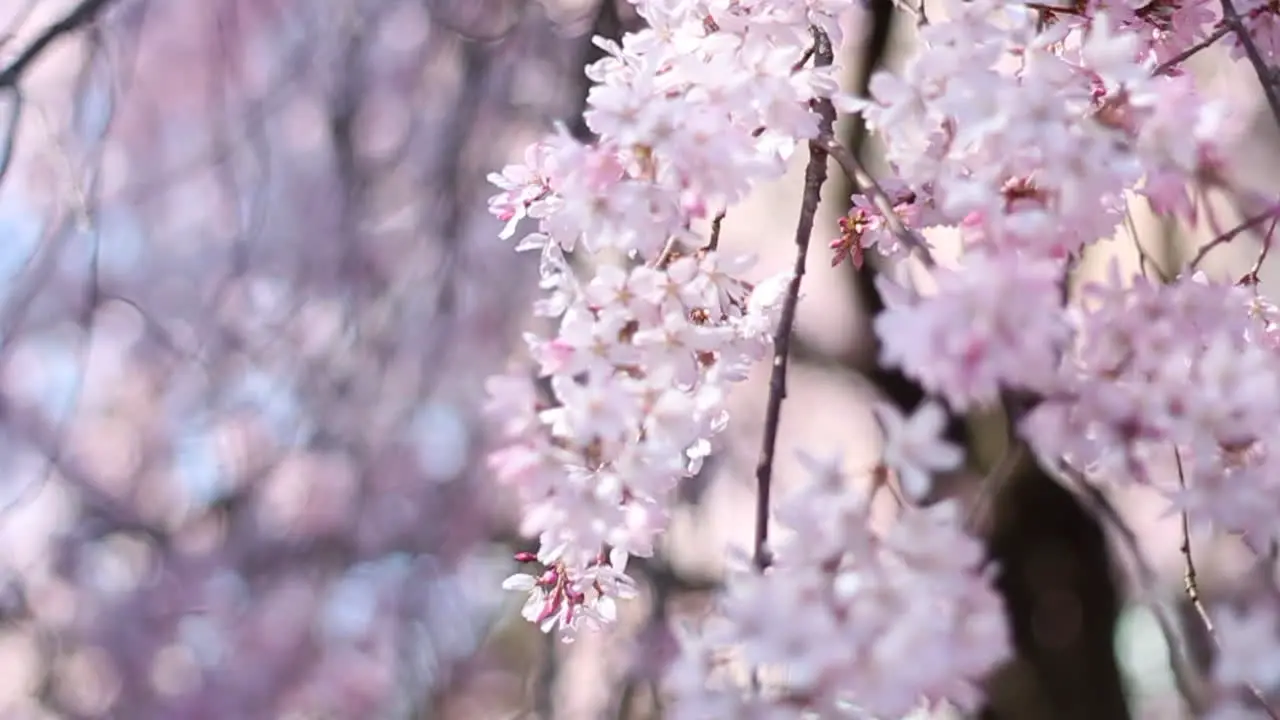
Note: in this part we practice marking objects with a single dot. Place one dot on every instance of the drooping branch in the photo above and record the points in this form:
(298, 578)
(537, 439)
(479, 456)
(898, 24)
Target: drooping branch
(815, 176)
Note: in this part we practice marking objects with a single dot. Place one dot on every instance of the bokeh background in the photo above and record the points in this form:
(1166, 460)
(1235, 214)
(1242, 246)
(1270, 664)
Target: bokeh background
(249, 296)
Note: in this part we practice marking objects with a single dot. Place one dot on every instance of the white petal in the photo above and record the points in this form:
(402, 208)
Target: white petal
(915, 483)
(520, 581)
(618, 559)
(607, 609)
(929, 418)
(890, 418)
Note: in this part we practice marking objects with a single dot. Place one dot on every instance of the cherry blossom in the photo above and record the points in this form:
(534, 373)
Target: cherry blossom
(969, 339)
(689, 116)
(870, 603)
(914, 449)
(1029, 129)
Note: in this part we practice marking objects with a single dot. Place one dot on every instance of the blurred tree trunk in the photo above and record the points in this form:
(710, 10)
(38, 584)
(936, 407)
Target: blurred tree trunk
(1056, 573)
(1058, 582)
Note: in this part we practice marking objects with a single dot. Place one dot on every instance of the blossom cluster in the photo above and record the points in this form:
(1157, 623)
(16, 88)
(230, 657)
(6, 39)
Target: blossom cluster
(1032, 151)
(1138, 390)
(1032, 144)
(865, 605)
(1028, 128)
(626, 394)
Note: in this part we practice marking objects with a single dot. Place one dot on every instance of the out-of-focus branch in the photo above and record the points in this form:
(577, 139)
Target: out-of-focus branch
(1187, 675)
(1039, 531)
(874, 49)
(1172, 63)
(1229, 235)
(12, 118)
(449, 16)
(80, 16)
(112, 515)
(862, 363)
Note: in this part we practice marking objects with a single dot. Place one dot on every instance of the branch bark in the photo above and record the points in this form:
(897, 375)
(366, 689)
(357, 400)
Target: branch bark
(815, 176)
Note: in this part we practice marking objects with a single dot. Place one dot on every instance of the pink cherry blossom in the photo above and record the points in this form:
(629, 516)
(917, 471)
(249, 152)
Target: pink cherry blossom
(871, 603)
(996, 322)
(1025, 127)
(914, 449)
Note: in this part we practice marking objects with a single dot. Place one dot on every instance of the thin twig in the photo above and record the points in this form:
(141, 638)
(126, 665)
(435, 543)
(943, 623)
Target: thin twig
(1190, 584)
(1193, 589)
(815, 176)
(714, 243)
(1189, 679)
(853, 167)
(1172, 63)
(1147, 574)
(79, 16)
(1253, 276)
(1231, 234)
(1189, 575)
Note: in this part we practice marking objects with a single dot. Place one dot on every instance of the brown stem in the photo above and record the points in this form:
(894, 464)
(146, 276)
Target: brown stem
(1190, 681)
(1231, 234)
(1189, 575)
(714, 243)
(815, 175)
(1173, 62)
(853, 167)
(1193, 589)
(1253, 277)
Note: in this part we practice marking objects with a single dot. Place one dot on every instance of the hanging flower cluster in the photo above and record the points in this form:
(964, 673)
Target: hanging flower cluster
(1027, 127)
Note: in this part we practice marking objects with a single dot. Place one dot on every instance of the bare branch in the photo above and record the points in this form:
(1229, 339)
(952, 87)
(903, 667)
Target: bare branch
(815, 176)
(1174, 62)
(1231, 234)
(81, 15)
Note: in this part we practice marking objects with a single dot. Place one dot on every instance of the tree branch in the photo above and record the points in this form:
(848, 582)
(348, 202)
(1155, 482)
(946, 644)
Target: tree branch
(1229, 235)
(79, 16)
(854, 168)
(1172, 63)
(815, 176)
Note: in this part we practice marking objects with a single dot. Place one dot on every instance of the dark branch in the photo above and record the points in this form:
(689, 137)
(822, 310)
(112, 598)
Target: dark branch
(815, 176)
(80, 16)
